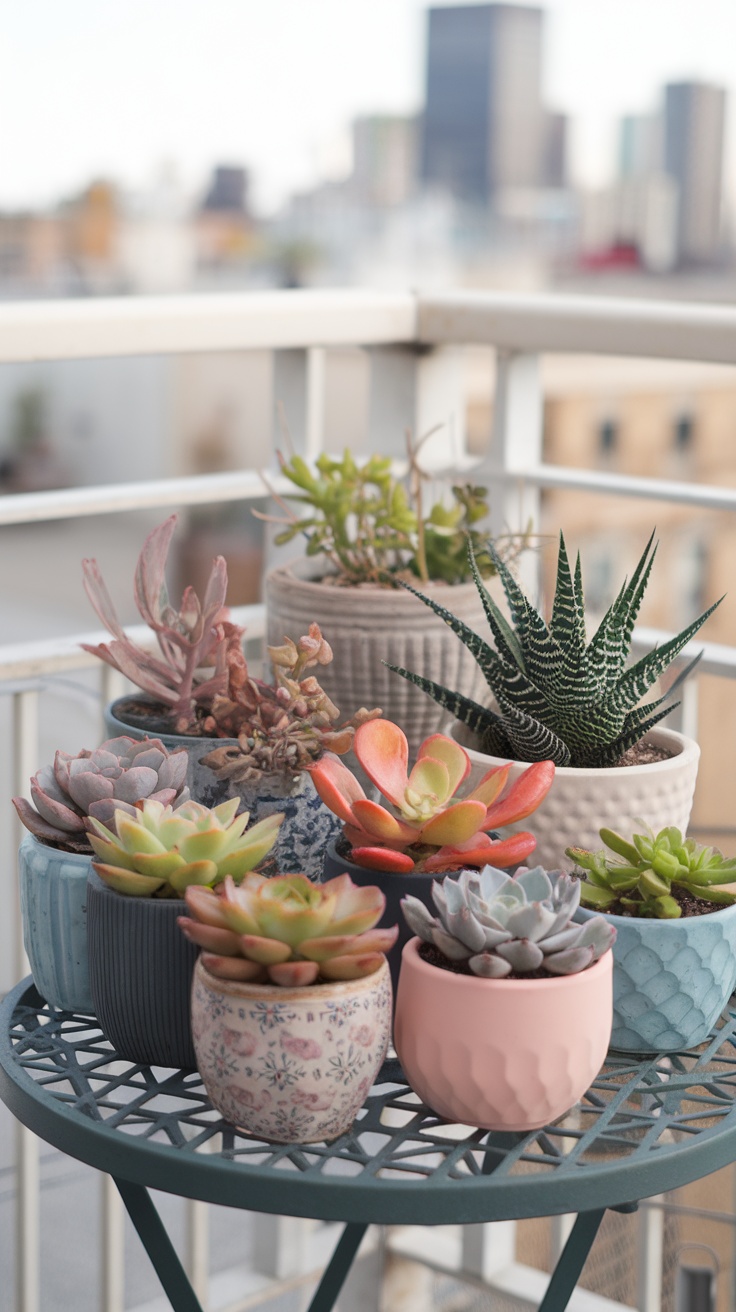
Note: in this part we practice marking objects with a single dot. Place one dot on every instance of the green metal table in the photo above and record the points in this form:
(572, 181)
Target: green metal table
(643, 1127)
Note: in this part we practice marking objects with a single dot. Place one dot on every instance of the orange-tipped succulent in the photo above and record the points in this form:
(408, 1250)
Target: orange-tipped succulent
(428, 827)
(287, 930)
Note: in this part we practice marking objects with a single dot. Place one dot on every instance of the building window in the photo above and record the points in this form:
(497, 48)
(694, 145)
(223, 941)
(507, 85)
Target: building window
(683, 433)
(608, 433)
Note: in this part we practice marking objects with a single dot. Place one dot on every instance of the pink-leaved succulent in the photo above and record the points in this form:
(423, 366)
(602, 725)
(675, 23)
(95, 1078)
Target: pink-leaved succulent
(428, 827)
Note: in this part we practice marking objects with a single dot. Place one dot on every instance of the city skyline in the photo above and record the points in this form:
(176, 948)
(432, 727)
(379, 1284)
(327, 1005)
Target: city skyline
(117, 91)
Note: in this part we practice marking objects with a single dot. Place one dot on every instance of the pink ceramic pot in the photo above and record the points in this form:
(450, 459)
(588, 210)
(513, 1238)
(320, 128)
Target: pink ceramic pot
(496, 1053)
(292, 1065)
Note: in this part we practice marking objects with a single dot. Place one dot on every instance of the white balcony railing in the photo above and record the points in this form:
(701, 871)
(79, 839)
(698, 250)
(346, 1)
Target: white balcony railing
(413, 346)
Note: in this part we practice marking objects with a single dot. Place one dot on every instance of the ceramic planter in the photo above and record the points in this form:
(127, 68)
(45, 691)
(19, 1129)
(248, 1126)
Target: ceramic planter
(307, 827)
(393, 887)
(583, 801)
(53, 903)
(290, 1064)
(368, 625)
(140, 971)
(671, 978)
(497, 1053)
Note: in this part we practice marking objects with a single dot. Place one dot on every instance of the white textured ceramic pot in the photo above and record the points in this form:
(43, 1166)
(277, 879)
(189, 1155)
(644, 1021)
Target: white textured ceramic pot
(503, 1054)
(583, 801)
(291, 1065)
(53, 903)
(367, 625)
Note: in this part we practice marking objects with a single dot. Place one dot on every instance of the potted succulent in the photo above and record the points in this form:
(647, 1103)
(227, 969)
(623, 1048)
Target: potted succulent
(140, 967)
(559, 696)
(55, 855)
(504, 1006)
(425, 828)
(244, 737)
(365, 531)
(291, 1003)
(672, 902)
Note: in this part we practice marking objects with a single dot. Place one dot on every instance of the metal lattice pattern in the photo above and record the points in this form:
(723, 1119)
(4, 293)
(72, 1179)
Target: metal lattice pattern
(644, 1126)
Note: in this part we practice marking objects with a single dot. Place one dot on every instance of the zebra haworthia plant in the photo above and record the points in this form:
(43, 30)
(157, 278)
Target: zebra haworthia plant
(499, 924)
(559, 696)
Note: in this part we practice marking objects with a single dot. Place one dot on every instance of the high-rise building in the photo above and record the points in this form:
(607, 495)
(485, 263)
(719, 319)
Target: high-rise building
(384, 159)
(483, 122)
(694, 116)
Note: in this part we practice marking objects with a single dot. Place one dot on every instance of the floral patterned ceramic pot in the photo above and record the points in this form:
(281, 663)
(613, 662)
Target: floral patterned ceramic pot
(290, 1064)
(503, 1054)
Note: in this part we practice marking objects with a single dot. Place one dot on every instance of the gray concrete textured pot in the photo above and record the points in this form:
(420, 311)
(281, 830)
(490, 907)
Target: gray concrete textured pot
(140, 971)
(367, 625)
(53, 903)
(583, 801)
(308, 824)
(671, 978)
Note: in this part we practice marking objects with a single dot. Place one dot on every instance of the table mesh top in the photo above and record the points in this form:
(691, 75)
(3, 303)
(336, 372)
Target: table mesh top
(644, 1125)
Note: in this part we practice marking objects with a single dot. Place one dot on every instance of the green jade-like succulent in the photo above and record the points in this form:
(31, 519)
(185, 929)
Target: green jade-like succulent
(499, 923)
(642, 874)
(287, 930)
(115, 776)
(559, 696)
(161, 852)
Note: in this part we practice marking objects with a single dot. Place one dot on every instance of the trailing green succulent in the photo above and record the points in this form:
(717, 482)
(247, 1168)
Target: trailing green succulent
(371, 526)
(559, 696)
(160, 852)
(641, 874)
(288, 930)
(499, 923)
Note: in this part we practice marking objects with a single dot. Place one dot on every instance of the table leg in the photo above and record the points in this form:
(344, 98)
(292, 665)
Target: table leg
(572, 1260)
(328, 1289)
(159, 1247)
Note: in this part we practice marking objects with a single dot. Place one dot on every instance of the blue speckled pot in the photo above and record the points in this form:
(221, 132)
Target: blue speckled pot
(53, 902)
(308, 824)
(671, 979)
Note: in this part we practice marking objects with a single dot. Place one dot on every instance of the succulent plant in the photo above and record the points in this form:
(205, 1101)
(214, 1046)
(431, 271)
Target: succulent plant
(160, 852)
(281, 728)
(287, 930)
(498, 923)
(115, 776)
(428, 828)
(559, 696)
(371, 525)
(641, 874)
(201, 651)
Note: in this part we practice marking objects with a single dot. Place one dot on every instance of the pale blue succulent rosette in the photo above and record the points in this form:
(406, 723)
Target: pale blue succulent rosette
(671, 978)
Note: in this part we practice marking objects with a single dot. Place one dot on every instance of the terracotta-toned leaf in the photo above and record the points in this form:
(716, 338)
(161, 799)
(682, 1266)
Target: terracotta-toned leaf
(293, 974)
(382, 858)
(233, 968)
(456, 824)
(223, 942)
(523, 797)
(383, 751)
(381, 824)
(491, 785)
(338, 788)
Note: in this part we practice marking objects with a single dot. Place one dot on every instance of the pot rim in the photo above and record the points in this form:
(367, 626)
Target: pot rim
(681, 921)
(687, 753)
(412, 960)
(288, 572)
(275, 992)
(30, 839)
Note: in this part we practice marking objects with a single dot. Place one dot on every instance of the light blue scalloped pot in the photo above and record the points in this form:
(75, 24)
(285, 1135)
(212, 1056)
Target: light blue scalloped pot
(53, 902)
(671, 978)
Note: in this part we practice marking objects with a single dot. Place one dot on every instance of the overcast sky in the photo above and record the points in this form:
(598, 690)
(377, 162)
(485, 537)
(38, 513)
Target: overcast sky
(119, 87)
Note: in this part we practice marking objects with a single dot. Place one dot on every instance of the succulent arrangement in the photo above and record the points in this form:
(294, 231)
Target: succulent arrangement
(93, 785)
(201, 653)
(427, 828)
(559, 696)
(281, 728)
(499, 924)
(287, 930)
(371, 525)
(645, 875)
(160, 852)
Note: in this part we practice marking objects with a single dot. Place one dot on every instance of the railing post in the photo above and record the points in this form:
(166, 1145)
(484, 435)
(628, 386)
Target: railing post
(651, 1252)
(516, 444)
(418, 389)
(487, 1248)
(299, 395)
(113, 1247)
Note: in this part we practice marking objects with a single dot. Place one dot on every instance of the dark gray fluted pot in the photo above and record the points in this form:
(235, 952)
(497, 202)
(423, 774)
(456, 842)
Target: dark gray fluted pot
(393, 887)
(140, 974)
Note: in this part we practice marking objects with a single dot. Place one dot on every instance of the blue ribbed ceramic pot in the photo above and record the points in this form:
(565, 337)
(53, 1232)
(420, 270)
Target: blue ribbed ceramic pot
(671, 978)
(53, 902)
